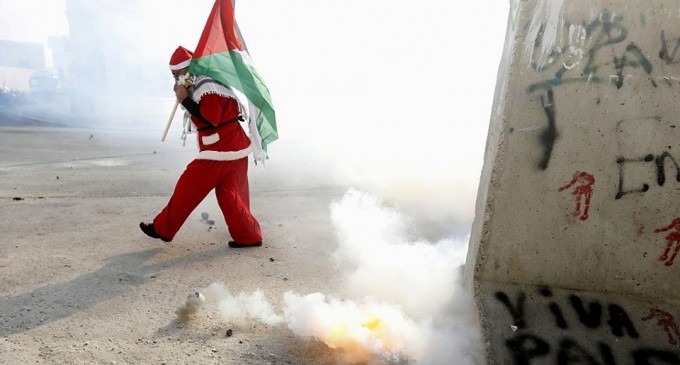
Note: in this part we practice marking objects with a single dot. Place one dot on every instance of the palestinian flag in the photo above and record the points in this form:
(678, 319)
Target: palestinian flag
(222, 55)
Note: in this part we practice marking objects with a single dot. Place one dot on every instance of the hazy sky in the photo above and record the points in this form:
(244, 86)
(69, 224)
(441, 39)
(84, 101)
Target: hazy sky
(394, 95)
(32, 20)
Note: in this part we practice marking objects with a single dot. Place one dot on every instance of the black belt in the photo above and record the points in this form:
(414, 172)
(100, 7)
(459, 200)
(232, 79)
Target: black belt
(237, 119)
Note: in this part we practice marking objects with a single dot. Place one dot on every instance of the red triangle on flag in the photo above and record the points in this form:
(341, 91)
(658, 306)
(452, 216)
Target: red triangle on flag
(219, 34)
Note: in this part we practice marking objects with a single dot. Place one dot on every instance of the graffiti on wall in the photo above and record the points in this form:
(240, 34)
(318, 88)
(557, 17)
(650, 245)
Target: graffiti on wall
(526, 346)
(667, 323)
(582, 182)
(672, 239)
(603, 59)
(595, 52)
(669, 57)
(659, 163)
(598, 52)
(549, 135)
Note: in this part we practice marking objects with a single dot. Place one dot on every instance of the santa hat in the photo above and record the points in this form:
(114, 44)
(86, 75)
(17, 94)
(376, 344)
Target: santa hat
(180, 58)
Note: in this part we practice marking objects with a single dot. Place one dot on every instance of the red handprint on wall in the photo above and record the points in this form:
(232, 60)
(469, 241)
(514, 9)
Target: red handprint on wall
(671, 238)
(667, 323)
(582, 191)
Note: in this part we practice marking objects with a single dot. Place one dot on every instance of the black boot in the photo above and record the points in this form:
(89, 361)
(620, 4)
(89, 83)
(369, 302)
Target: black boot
(235, 244)
(148, 229)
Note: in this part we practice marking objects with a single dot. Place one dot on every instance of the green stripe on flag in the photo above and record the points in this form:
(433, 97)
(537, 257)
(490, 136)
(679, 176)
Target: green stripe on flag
(232, 70)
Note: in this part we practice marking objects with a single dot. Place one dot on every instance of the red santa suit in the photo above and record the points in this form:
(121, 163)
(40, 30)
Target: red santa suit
(222, 165)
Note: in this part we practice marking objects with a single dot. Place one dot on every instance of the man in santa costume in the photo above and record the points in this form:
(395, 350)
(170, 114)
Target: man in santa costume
(222, 162)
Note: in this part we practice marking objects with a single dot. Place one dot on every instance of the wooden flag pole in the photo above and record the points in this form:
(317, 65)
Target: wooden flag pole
(172, 115)
(185, 80)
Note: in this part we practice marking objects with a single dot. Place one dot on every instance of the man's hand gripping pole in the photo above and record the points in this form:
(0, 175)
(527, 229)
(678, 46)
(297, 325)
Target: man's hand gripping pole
(186, 81)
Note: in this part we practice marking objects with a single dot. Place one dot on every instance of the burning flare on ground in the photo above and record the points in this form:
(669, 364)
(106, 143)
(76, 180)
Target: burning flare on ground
(363, 329)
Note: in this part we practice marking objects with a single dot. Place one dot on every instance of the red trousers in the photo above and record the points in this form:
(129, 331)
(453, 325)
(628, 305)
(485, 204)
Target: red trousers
(230, 181)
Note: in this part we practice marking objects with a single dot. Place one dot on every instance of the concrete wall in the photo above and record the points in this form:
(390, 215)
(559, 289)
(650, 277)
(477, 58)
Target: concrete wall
(579, 196)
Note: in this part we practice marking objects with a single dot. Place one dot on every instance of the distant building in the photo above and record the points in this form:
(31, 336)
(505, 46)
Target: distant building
(107, 68)
(22, 55)
(101, 71)
(18, 62)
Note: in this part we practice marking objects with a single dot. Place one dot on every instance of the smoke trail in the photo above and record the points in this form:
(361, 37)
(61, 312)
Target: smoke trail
(241, 308)
(402, 300)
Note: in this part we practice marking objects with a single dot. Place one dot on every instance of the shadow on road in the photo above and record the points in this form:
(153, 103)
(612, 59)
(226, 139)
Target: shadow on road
(53, 302)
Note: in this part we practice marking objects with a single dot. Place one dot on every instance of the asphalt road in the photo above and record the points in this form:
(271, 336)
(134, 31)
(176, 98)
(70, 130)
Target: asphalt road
(82, 285)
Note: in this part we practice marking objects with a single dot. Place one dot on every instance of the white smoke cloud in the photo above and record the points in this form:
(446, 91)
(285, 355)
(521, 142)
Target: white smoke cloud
(385, 260)
(241, 308)
(402, 300)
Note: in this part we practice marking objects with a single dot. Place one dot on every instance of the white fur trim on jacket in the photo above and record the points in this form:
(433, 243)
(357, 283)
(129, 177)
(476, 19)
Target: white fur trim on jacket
(224, 155)
(211, 139)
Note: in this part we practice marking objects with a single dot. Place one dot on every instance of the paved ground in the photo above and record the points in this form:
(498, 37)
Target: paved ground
(82, 285)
